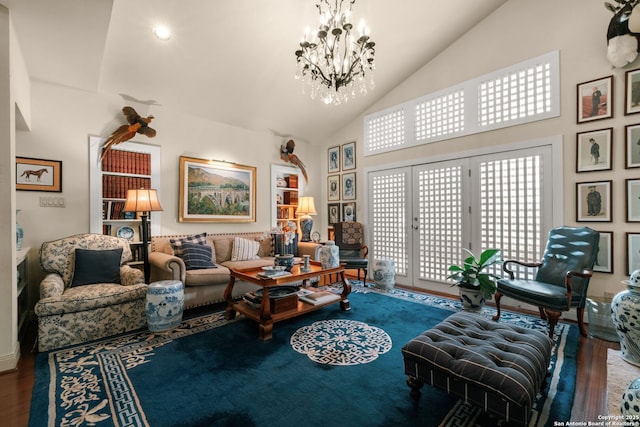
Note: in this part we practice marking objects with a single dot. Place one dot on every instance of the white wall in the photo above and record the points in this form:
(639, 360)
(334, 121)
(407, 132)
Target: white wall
(62, 120)
(519, 30)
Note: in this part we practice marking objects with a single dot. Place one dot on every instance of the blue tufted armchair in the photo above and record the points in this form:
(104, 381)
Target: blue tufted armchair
(562, 277)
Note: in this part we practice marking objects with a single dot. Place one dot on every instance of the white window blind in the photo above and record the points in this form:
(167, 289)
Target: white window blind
(440, 214)
(511, 208)
(389, 228)
(521, 93)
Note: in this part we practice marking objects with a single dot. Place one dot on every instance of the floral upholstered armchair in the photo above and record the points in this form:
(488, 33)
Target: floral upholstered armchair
(89, 291)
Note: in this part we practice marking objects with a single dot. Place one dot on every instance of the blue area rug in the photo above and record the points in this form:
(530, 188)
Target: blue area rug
(326, 368)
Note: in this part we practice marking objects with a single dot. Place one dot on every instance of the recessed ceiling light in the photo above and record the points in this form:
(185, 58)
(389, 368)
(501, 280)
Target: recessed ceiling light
(162, 32)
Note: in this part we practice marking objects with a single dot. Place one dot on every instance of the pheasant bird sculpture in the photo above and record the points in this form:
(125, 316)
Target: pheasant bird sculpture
(286, 154)
(124, 133)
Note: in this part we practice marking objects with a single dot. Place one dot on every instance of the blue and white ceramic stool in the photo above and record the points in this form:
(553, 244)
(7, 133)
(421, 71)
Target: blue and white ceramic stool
(165, 305)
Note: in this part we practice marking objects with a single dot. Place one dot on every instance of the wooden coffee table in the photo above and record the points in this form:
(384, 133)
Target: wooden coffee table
(263, 315)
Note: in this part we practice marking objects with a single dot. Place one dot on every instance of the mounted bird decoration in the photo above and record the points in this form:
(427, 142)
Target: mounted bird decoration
(623, 33)
(124, 133)
(286, 154)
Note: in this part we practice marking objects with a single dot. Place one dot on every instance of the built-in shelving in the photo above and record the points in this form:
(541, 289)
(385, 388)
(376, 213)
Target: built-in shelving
(286, 188)
(129, 165)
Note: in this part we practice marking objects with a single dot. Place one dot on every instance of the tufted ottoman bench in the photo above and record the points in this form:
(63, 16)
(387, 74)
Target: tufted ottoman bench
(497, 367)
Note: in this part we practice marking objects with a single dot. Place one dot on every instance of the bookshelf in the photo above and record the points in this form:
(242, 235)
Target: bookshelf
(128, 165)
(287, 185)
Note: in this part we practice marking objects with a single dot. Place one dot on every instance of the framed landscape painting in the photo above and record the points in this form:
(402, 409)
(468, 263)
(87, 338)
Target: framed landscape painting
(212, 191)
(595, 100)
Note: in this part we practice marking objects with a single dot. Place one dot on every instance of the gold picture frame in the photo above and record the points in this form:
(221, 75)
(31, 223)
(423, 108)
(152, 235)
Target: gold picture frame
(215, 191)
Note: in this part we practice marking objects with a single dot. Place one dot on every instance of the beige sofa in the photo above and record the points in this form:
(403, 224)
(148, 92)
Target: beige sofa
(206, 286)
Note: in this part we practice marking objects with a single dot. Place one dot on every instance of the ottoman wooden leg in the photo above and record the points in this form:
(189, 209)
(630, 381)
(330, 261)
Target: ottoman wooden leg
(415, 385)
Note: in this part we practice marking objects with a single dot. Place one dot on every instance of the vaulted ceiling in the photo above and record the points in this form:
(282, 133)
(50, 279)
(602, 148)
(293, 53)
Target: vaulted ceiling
(230, 61)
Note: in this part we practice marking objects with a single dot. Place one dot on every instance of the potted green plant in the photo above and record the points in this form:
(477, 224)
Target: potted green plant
(476, 284)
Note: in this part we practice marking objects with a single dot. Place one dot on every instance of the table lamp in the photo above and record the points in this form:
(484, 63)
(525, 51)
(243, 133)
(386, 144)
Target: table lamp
(143, 201)
(306, 208)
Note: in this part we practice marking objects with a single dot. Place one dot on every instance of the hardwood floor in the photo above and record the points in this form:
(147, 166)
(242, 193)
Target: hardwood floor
(590, 398)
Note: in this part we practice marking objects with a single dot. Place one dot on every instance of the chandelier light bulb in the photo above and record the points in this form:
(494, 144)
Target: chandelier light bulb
(331, 61)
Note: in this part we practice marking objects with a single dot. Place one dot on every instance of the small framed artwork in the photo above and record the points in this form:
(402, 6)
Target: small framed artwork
(333, 187)
(633, 252)
(333, 159)
(632, 153)
(593, 201)
(632, 92)
(349, 186)
(349, 211)
(212, 191)
(593, 150)
(595, 100)
(633, 200)
(333, 210)
(38, 174)
(604, 259)
(348, 156)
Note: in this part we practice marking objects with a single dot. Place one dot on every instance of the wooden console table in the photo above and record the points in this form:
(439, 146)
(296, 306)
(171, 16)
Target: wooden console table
(263, 315)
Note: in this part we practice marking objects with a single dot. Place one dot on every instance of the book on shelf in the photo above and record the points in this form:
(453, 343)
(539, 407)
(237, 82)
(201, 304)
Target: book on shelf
(317, 297)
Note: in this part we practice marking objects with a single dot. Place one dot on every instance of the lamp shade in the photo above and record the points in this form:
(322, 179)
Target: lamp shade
(142, 200)
(306, 206)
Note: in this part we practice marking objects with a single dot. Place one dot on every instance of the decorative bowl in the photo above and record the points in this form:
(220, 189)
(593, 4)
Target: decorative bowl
(285, 261)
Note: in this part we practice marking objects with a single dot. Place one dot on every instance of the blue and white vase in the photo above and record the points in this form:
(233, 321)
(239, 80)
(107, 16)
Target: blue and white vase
(19, 233)
(329, 255)
(384, 273)
(631, 399)
(625, 312)
(165, 305)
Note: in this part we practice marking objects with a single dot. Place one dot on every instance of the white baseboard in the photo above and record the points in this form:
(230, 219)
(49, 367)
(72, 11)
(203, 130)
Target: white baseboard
(9, 362)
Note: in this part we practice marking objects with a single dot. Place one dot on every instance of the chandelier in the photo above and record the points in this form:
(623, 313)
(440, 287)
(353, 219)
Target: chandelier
(332, 61)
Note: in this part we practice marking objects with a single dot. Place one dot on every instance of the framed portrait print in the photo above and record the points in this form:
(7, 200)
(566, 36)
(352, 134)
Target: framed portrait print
(333, 187)
(632, 92)
(633, 252)
(593, 150)
(333, 159)
(633, 200)
(604, 259)
(632, 146)
(595, 100)
(333, 211)
(38, 174)
(349, 186)
(349, 211)
(348, 156)
(212, 191)
(593, 201)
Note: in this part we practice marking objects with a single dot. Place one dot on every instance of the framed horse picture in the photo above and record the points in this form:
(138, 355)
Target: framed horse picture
(38, 174)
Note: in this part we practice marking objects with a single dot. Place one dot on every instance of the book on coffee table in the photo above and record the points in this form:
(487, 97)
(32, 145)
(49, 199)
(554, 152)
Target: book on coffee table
(317, 297)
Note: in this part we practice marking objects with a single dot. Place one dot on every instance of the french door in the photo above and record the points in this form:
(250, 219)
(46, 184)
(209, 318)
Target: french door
(422, 216)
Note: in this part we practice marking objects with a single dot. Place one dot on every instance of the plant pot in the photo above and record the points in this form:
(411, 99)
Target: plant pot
(472, 299)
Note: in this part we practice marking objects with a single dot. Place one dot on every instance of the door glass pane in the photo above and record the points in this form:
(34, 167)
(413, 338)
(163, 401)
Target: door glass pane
(440, 220)
(389, 228)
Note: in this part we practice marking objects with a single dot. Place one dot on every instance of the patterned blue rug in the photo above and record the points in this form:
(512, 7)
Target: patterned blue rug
(326, 368)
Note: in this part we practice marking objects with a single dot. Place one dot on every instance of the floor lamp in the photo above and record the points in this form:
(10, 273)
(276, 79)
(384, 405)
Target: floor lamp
(143, 201)
(306, 208)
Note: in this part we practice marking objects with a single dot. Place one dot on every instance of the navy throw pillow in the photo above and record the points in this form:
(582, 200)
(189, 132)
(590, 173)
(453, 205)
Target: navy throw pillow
(96, 266)
(197, 256)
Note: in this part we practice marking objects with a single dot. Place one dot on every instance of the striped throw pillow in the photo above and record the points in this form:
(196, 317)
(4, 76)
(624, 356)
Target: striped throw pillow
(244, 249)
(197, 256)
(176, 244)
